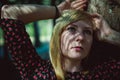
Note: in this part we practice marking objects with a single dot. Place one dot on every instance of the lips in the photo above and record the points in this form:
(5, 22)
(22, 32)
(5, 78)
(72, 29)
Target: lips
(77, 48)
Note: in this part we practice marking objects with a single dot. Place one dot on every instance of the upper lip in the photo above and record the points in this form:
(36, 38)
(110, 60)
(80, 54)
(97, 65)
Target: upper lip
(78, 47)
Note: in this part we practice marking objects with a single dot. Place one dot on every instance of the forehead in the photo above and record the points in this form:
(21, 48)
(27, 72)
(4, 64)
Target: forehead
(81, 24)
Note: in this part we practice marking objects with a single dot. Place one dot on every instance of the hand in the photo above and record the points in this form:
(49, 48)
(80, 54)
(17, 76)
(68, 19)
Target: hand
(79, 4)
(102, 28)
(75, 4)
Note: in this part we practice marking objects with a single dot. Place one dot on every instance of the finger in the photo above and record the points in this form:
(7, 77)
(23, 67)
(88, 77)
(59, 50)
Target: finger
(68, 1)
(79, 1)
(96, 15)
(97, 22)
(79, 5)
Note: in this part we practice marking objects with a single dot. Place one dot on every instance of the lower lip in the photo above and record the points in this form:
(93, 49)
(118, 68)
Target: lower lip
(77, 49)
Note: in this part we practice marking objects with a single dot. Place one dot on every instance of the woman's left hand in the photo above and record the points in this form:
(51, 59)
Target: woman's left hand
(102, 28)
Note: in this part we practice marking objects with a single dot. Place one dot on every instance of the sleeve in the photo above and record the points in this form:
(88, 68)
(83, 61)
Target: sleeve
(109, 70)
(20, 47)
(114, 65)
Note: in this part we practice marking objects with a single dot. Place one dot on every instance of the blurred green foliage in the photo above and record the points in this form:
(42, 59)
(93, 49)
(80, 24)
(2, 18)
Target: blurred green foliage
(1, 37)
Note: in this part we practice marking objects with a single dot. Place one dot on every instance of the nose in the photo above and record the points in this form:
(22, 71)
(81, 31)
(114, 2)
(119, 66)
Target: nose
(79, 37)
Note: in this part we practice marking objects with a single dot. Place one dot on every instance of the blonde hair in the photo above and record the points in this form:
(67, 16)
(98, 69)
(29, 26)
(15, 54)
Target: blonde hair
(68, 16)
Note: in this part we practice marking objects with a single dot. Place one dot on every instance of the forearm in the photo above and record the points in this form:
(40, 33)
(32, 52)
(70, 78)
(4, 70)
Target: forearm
(105, 32)
(113, 37)
(28, 13)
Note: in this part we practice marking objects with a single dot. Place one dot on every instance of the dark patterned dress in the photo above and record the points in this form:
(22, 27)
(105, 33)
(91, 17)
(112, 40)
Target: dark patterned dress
(32, 67)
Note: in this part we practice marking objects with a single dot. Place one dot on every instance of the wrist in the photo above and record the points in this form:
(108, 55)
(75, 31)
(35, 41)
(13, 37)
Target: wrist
(57, 12)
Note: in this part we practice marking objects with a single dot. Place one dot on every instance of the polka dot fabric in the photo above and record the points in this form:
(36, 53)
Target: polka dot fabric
(109, 70)
(32, 67)
(24, 56)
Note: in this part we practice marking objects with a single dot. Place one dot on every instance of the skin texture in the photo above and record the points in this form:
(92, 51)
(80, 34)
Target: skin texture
(76, 41)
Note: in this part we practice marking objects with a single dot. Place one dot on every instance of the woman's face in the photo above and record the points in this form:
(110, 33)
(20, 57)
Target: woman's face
(76, 40)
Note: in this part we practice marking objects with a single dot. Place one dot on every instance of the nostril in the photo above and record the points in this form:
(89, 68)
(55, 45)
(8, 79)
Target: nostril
(79, 38)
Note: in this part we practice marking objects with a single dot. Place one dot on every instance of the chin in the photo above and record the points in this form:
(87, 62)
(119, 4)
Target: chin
(77, 57)
(80, 57)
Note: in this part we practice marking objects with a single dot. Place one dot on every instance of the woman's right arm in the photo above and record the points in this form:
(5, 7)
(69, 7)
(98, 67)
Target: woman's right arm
(33, 12)
(28, 13)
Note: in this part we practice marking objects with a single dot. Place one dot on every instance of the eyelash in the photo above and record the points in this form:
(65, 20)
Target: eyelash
(72, 29)
(89, 32)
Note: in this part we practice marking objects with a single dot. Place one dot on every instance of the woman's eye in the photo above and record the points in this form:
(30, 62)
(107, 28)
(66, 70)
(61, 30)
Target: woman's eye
(89, 32)
(72, 29)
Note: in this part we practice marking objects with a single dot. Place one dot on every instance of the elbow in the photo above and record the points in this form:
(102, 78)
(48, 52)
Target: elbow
(5, 11)
(8, 11)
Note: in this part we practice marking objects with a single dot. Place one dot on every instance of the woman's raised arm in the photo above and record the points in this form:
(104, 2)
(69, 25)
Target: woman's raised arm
(105, 32)
(29, 13)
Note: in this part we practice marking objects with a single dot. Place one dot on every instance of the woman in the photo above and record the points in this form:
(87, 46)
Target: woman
(24, 56)
(70, 45)
(71, 41)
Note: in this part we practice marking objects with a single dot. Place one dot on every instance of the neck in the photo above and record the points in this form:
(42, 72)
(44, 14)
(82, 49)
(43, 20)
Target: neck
(72, 65)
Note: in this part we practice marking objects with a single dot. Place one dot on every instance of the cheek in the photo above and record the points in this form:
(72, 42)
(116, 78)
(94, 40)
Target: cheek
(87, 46)
(66, 39)
(89, 43)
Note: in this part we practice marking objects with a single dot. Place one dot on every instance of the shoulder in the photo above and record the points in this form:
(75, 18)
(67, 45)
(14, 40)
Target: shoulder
(108, 70)
(110, 64)
(113, 63)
